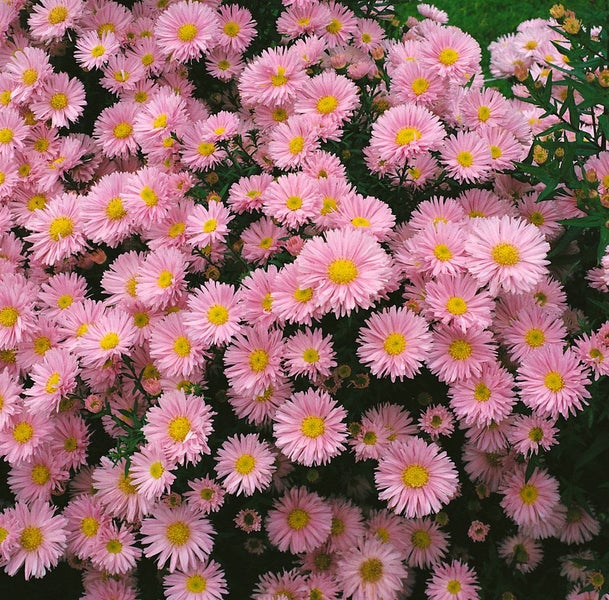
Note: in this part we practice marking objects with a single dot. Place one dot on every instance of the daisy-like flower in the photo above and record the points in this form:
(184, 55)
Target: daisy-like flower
(28, 68)
(199, 149)
(61, 99)
(50, 19)
(24, 434)
(179, 537)
(293, 141)
(412, 82)
(253, 360)
(368, 213)
(426, 543)
(291, 302)
(93, 50)
(285, 583)
(347, 525)
(112, 335)
(310, 353)
(151, 472)
(205, 494)
(162, 281)
(41, 539)
(300, 521)
(310, 428)
(12, 132)
(204, 581)
(185, 30)
(454, 581)
(528, 501)
(485, 398)
(248, 520)
(347, 270)
(147, 196)
(36, 478)
(207, 225)
(371, 569)
(86, 519)
(213, 316)
(394, 342)
(274, 78)
(245, 463)
(416, 478)
(455, 355)
(466, 157)
(437, 420)
(262, 239)
(180, 425)
(259, 408)
(17, 315)
(529, 433)
(455, 300)
(10, 391)
(247, 194)
(114, 550)
(405, 131)
(70, 440)
(114, 129)
(57, 230)
(507, 254)
(521, 552)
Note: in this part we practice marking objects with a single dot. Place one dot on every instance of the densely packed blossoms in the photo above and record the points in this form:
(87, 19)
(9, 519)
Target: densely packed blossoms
(286, 309)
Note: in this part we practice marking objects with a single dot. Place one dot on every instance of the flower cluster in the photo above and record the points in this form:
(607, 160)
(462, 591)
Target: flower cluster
(271, 294)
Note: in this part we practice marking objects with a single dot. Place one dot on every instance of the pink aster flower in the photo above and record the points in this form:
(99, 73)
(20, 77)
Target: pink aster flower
(293, 200)
(245, 463)
(27, 68)
(437, 420)
(507, 254)
(413, 83)
(483, 398)
(553, 382)
(57, 230)
(37, 478)
(50, 19)
(247, 194)
(299, 521)
(310, 428)
(529, 433)
(478, 531)
(405, 131)
(24, 434)
(185, 30)
(151, 472)
(93, 50)
(253, 360)
(285, 583)
(248, 520)
(256, 297)
(394, 342)
(180, 425)
(291, 302)
(521, 552)
(347, 269)
(146, 196)
(365, 212)
(416, 478)
(13, 132)
(10, 391)
(41, 539)
(456, 300)
(208, 225)
(61, 99)
(454, 581)
(426, 543)
(259, 408)
(466, 157)
(371, 569)
(205, 494)
(293, 141)
(205, 581)
(347, 525)
(310, 353)
(86, 519)
(114, 129)
(70, 440)
(528, 501)
(17, 315)
(114, 550)
(179, 537)
(162, 281)
(275, 77)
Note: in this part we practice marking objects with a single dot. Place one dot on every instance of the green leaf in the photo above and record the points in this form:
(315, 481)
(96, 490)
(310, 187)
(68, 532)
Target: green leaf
(587, 221)
(594, 451)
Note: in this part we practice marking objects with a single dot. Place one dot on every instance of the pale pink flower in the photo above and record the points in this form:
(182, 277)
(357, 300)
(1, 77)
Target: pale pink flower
(309, 353)
(10, 391)
(245, 463)
(114, 129)
(17, 317)
(204, 581)
(299, 521)
(114, 550)
(150, 472)
(466, 157)
(416, 478)
(162, 280)
(37, 478)
(368, 213)
(293, 141)
(426, 543)
(454, 581)
(146, 196)
(291, 302)
(50, 19)
(208, 225)
(86, 519)
(262, 239)
(437, 420)
(25, 433)
(70, 440)
(205, 494)
(93, 50)
(310, 428)
(60, 99)
(28, 68)
(260, 408)
(247, 194)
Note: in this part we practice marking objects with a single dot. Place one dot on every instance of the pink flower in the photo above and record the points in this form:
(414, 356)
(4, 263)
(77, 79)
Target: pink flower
(17, 315)
(162, 281)
(394, 342)
(553, 382)
(293, 200)
(237, 28)
(310, 353)
(299, 521)
(50, 19)
(60, 98)
(208, 225)
(293, 141)
(347, 269)
(86, 519)
(181, 425)
(507, 254)
(36, 478)
(41, 539)
(426, 543)
(114, 129)
(310, 428)
(205, 494)
(24, 434)
(179, 537)
(454, 581)
(371, 569)
(185, 30)
(205, 581)
(151, 472)
(521, 552)
(245, 463)
(416, 478)
(466, 157)
(114, 550)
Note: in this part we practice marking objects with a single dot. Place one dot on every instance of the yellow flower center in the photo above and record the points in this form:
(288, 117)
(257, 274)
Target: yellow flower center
(456, 306)
(415, 476)
(442, 252)
(29, 76)
(338, 526)
(181, 346)
(52, 383)
(535, 337)
(484, 114)
(453, 586)
(266, 243)
(210, 225)
(460, 350)
(421, 539)
(360, 222)
(465, 158)
(23, 432)
(89, 526)
(312, 427)
(196, 584)
(496, 152)
(328, 205)
(178, 533)
(327, 104)
(206, 148)
(293, 202)
(296, 145)
(258, 360)
(8, 316)
(267, 302)
(57, 14)
(245, 464)
(279, 78)
(122, 130)
(481, 392)
(31, 538)
(109, 341)
(58, 101)
(529, 494)
(115, 210)
(310, 355)
(334, 26)
(121, 76)
(36, 202)
(394, 344)
(187, 32)
(371, 570)
(70, 444)
(554, 381)
(114, 546)
(419, 86)
(407, 135)
(536, 434)
(165, 279)
(176, 230)
(61, 227)
(342, 271)
(298, 519)
(369, 438)
(149, 196)
(40, 474)
(448, 56)
(64, 301)
(506, 255)
(6, 135)
(217, 314)
(179, 428)
(303, 295)
(537, 218)
(98, 51)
